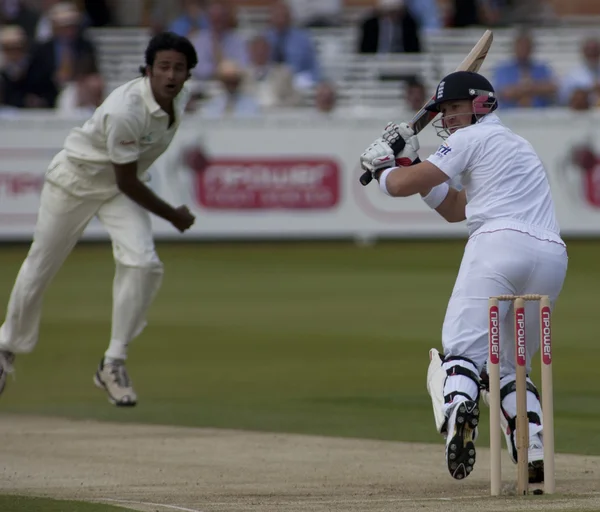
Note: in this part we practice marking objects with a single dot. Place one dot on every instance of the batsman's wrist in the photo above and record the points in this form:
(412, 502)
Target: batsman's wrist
(383, 179)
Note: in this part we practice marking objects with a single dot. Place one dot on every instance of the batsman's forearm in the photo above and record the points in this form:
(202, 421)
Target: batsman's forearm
(139, 193)
(453, 208)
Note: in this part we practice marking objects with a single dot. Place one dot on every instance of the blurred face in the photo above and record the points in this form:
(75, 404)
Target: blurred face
(456, 114)
(14, 53)
(217, 16)
(66, 32)
(325, 98)
(580, 100)
(523, 49)
(415, 97)
(260, 52)
(280, 16)
(192, 8)
(167, 75)
(591, 52)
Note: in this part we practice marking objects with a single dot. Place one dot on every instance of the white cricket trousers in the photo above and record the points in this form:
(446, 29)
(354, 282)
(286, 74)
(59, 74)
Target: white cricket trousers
(62, 218)
(502, 262)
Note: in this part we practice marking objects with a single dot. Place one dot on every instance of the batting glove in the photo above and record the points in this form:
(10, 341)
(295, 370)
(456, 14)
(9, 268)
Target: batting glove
(402, 138)
(377, 157)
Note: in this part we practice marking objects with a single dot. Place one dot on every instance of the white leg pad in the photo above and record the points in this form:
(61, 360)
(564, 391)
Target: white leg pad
(436, 376)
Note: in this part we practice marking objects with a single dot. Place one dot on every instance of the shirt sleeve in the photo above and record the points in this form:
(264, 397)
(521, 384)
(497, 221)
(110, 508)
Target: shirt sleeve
(123, 134)
(456, 154)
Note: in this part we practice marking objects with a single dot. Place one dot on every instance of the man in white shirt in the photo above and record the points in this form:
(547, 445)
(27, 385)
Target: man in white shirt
(514, 248)
(101, 173)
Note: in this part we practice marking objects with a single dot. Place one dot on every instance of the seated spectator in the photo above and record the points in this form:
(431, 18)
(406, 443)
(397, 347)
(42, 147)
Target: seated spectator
(317, 13)
(17, 12)
(392, 29)
(15, 63)
(586, 75)
(85, 94)
(218, 42)
(192, 20)
(523, 81)
(271, 83)
(53, 62)
(292, 46)
(232, 100)
(414, 95)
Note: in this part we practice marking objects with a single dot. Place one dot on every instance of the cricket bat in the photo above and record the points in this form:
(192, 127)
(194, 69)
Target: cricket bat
(422, 118)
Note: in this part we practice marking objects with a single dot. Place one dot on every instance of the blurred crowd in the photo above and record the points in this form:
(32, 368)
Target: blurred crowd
(48, 61)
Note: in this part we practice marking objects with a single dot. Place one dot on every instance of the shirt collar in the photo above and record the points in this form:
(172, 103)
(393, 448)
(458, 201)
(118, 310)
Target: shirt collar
(490, 118)
(148, 97)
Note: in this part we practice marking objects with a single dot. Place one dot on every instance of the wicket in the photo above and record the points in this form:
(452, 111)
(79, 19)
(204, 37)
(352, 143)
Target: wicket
(522, 421)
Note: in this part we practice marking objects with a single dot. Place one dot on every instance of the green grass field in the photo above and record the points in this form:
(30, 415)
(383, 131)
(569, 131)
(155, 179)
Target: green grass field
(27, 504)
(311, 338)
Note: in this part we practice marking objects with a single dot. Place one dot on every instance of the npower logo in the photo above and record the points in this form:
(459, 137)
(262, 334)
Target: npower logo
(494, 335)
(520, 333)
(546, 336)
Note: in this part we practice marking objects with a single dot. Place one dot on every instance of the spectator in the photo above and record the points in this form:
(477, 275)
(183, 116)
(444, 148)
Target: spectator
(586, 75)
(16, 12)
(85, 94)
(392, 29)
(414, 95)
(325, 98)
(192, 20)
(97, 13)
(218, 43)
(13, 74)
(522, 81)
(232, 100)
(270, 82)
(317, 13)
(292, 46)
(53, 62)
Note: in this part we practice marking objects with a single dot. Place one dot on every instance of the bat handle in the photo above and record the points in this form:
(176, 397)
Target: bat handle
(397, 147)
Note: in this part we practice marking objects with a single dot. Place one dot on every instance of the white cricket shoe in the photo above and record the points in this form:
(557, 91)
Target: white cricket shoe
(460, 443)
(6, 366)
(112, 377)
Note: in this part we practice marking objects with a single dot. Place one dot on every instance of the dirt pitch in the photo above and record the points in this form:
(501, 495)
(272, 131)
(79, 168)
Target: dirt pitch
(160, 469)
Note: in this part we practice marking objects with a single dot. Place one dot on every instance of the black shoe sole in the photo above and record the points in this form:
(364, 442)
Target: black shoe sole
(461, 449)
(536, 472)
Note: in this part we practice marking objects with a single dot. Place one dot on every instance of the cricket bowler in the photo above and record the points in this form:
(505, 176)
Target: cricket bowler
(101, 172)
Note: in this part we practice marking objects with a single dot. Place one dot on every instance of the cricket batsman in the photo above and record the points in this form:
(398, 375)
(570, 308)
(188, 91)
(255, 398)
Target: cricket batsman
(101, 172)
(514, 248)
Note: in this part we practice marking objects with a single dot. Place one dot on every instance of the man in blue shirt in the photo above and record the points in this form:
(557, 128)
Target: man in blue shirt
(523, 82)
(293, 46)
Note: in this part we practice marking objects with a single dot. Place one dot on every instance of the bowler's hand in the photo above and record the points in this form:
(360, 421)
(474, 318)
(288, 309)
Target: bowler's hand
(182, 219)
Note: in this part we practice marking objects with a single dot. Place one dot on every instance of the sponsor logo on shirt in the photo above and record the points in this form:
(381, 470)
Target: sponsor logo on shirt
(443, 150)
(127, 142)
(147, 139)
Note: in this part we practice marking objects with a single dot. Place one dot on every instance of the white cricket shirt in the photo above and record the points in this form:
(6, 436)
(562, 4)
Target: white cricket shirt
(505, 181)
(128, 127)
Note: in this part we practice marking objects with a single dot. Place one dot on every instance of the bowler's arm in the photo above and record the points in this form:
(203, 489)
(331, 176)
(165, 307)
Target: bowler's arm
(129, 183)
(420, 179)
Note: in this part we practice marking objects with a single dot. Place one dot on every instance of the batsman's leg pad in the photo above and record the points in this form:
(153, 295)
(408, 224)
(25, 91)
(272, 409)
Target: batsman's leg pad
(436, 376)
(462, 381)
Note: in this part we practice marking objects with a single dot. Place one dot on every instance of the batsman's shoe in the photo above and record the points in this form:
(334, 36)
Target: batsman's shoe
(6, 367)
(535, 457)
(460, 443)
(112, 377)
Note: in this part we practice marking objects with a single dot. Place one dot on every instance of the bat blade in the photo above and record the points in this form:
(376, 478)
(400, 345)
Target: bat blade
(472, 62)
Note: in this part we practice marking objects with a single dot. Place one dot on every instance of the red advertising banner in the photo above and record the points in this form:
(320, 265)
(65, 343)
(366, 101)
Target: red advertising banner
(265, 183)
